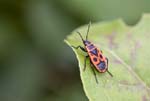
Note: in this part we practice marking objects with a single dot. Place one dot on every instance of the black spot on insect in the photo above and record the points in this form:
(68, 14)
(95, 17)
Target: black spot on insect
(91, 46)
(94, 52)
(95, 59)
(86, 42)
(101, 65)
(101, 56)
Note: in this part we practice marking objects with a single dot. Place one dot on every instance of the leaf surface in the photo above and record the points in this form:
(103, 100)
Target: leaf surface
(128, 51)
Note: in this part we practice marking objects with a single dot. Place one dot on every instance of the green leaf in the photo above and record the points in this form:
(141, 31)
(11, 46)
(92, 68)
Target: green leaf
(128, 51)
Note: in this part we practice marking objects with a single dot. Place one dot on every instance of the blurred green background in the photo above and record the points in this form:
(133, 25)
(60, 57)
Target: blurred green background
(35, 63)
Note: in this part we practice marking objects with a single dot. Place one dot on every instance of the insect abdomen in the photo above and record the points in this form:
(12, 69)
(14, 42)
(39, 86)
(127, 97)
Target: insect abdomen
(96, 57)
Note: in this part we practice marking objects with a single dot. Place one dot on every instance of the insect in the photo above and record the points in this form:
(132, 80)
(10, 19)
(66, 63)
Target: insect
(97, 59)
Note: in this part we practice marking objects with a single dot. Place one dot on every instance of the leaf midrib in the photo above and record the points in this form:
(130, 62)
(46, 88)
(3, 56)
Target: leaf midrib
(137, 77)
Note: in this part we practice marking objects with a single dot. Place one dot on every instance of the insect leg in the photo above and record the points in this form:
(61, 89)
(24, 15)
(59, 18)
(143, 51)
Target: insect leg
(83, 49)
(94, 72)
(85, 62)
(107, 69)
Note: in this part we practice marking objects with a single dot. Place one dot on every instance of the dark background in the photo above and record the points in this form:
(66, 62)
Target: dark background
(35, 63)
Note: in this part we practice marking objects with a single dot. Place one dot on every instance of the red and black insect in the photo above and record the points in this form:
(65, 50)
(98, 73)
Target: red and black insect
(97, 59)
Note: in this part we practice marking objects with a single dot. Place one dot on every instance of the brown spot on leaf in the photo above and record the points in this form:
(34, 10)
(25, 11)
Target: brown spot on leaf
(129, 36)
(134, 52)
(111, 42)
(132, 87)
(117, 61)
(125, 82)
(144, 98)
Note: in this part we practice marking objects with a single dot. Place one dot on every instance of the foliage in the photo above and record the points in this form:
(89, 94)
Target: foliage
(127, 49)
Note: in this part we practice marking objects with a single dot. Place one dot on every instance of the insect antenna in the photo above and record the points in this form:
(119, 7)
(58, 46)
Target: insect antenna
(88, 30)
(80, 35)
(109, 73)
